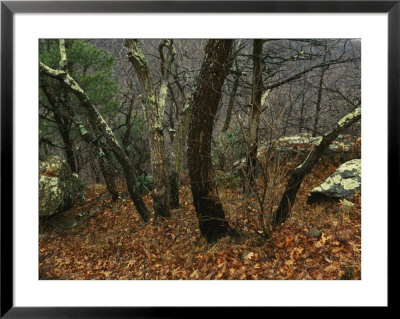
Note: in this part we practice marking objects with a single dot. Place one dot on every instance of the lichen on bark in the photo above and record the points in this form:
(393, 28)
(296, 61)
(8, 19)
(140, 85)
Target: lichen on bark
(154, 112)
(97, 120)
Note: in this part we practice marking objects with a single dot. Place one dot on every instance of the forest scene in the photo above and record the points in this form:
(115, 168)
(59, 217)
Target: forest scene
(199, 159)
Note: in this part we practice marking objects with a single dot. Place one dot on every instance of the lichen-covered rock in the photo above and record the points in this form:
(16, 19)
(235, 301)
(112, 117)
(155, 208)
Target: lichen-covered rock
(298, 146)
(58, 186)
(340, 185)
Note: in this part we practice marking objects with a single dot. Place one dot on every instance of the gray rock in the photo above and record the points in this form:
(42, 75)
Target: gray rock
(340, 185)
(58, 186)
(298, 146)
(314, 233)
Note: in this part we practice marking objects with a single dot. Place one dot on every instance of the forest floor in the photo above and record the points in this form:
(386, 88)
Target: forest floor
(110, 241)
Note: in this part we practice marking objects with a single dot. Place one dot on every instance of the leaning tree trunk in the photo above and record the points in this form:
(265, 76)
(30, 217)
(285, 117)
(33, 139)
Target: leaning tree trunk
(154, 112)
(204, 104)
(63, 124)
(297, 175)
(102, 155)
(97, 120)
(254, 121)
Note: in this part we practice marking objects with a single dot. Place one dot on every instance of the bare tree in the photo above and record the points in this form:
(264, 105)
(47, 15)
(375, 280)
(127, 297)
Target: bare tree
(285, 61)
(97, 120)
(101, 153)
(204, 104)
(154, 110)
(297, 175)
(63, 122)
(254, 120)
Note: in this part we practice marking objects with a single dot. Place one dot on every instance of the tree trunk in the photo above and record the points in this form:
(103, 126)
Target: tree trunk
(319, 95)
(63, 124)
(254, 121)
(204, 104)
(178, 151)
(231, 103)
(102, 155)
(298, 174)
(154, 112)
(96, 118)
(302, 107)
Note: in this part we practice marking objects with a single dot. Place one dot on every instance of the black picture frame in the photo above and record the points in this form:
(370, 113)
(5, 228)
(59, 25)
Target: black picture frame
(9, 8)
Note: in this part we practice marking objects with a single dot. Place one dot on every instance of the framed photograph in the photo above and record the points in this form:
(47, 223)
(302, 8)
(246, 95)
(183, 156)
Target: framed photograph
(196, 154)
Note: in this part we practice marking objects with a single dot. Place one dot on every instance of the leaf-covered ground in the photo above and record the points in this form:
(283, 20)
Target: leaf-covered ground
(110, 242)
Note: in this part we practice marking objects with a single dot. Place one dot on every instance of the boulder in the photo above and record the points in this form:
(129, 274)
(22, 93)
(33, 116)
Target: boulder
(297, 147)
(58, 186)
(340, 185)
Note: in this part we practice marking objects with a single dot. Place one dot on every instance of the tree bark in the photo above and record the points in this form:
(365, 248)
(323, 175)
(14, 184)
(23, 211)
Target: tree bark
(178, 151)
(102, 155)
(302, 107)
(238, 72)
(319, 95)
(204, 104)
(231, 103)
(254, 121)
(97, 119)
(63, 124)
(154, 112)
(297, 175)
